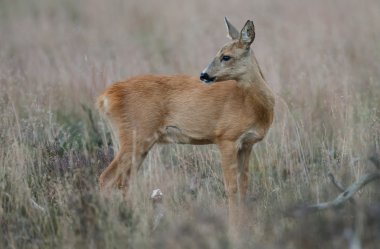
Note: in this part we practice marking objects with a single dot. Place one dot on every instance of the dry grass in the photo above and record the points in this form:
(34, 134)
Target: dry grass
(322, 58)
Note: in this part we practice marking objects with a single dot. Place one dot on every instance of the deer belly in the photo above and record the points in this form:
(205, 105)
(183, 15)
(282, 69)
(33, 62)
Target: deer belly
(173, 134)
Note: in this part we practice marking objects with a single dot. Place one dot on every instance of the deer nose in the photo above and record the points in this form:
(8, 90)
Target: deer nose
(204, 77)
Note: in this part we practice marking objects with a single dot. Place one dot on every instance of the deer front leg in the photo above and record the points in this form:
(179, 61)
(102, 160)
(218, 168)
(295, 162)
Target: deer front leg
(243, 159)
(229, 155)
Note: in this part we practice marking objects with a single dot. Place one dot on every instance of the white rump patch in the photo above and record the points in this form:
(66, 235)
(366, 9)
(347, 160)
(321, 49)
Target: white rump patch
(105, 104)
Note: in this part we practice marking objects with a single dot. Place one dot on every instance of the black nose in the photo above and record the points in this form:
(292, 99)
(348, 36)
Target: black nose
(205, 77)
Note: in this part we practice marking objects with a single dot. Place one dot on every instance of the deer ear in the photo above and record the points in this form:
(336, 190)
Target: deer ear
(232, 32)
(247, 34)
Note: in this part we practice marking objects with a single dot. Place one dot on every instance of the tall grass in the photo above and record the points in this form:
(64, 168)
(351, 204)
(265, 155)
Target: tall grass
(322, 60)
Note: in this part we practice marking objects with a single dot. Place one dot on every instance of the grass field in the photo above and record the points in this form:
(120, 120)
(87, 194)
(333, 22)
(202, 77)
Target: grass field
(321, 58)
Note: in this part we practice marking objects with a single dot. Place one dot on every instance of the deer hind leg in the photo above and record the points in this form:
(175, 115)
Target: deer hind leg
(243, 160)
(105, 179)
(128, 160)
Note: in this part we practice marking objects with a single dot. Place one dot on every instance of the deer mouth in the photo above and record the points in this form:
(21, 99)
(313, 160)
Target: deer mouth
(209, 81)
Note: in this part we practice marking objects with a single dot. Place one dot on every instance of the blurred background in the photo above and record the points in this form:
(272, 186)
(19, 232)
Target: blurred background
(321, 58)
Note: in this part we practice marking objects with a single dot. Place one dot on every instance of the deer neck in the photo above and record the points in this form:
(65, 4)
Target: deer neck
(255, 86)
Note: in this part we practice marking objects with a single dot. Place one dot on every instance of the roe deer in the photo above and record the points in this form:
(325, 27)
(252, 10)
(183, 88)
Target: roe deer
(234, 113)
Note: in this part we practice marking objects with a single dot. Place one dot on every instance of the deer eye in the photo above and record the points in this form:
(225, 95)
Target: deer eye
(226, 58)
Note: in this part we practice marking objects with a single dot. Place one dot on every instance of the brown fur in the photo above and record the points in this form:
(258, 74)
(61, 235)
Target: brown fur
(234, 113)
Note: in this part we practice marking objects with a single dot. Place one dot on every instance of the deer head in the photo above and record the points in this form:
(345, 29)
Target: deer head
(233, 60)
